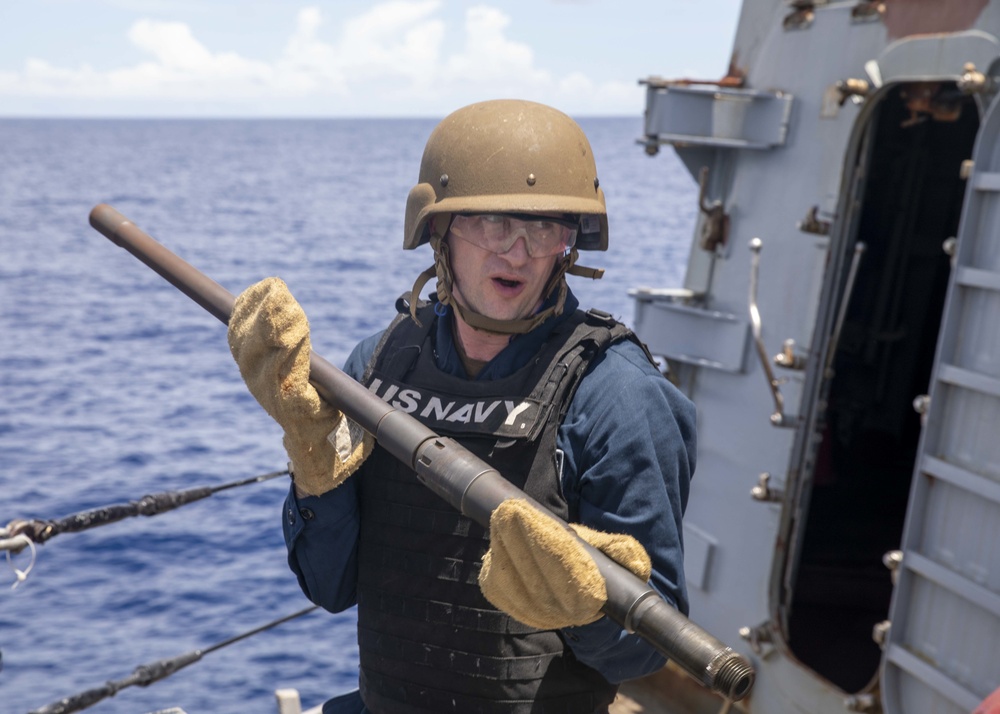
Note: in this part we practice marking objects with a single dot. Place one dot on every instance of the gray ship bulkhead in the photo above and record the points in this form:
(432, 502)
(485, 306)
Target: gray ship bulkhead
(839, 330)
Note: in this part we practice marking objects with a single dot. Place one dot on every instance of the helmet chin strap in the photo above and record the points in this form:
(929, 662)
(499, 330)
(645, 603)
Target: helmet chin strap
(446, 284)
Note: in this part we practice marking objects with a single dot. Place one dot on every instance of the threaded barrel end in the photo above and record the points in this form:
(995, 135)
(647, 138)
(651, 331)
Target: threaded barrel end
(734, 677)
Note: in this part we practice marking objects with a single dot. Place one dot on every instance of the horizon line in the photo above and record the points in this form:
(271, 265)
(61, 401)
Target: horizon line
(248, 117)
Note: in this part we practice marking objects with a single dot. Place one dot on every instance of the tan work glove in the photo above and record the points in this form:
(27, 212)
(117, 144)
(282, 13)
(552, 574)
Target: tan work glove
(269, 339)
(539, 574)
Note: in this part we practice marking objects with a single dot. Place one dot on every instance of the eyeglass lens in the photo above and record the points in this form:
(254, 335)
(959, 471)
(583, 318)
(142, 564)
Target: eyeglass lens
(497, 233)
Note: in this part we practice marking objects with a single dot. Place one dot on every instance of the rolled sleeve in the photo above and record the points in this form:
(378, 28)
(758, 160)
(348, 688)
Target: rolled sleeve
(321, 532)
(629, 454)
(321, 535)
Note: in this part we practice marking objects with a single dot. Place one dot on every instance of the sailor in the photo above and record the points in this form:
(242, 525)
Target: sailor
(565, 403)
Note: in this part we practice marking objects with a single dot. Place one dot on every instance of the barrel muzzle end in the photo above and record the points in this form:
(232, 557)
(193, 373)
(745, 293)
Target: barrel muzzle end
(106, 221)
(733, 677)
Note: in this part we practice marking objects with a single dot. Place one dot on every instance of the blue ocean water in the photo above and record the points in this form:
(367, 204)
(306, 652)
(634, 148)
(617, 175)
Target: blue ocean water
(114, 385)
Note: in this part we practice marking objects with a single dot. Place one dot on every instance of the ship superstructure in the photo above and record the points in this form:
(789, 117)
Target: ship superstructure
(839, 329)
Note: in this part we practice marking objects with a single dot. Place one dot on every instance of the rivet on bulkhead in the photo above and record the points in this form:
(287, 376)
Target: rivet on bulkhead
(531, 179)
(444, 179)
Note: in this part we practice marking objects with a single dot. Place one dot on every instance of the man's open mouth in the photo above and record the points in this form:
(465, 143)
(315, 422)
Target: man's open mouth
(508, 283)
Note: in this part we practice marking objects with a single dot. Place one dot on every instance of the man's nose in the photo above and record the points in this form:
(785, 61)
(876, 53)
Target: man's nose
(518, 251)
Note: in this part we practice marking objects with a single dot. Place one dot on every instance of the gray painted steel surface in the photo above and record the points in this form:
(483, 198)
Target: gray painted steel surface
(843, 129)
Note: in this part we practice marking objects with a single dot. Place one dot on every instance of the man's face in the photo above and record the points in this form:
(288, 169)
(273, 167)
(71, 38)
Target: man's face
(503, 286)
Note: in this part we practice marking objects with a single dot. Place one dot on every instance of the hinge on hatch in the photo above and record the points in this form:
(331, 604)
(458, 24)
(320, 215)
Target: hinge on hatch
(757, 636)
(973, 81)
(837, 94)
(764, 492)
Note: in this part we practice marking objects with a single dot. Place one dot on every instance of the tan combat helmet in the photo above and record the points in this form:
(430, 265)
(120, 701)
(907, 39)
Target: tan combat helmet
(505, 156)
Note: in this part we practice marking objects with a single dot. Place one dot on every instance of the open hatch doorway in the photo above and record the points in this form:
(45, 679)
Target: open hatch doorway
(909, 198)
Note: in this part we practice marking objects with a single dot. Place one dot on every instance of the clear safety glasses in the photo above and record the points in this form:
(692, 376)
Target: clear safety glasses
(544, 236)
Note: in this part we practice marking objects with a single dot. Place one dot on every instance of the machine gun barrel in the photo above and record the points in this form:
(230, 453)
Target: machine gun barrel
(460, 478)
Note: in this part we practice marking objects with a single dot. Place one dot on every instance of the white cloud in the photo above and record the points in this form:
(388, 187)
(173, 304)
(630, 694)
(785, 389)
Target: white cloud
(488, 55)
(391, 59)
(393, 39)
(172, 44)
(395, 43)
(182, 68)
(42, 79)
(610, 94)
(309, 64)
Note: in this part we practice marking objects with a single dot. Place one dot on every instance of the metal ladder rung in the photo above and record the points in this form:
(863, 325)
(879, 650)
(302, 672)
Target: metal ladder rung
(952, 581)
(976, 278)
(961, 478)
(933, 678)
(987, 181)
(950, 374)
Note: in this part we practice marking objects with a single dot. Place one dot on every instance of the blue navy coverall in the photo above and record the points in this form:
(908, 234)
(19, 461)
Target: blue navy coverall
(628, 441)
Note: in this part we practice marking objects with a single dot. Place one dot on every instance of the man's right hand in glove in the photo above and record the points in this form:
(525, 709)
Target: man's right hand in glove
(537, 572)
(269, 339)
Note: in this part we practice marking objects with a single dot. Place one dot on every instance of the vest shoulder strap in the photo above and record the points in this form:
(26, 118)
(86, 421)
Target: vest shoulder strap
(591, 333)
(404, 333)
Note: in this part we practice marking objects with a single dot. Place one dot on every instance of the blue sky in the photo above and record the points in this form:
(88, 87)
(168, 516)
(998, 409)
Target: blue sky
(260, 58)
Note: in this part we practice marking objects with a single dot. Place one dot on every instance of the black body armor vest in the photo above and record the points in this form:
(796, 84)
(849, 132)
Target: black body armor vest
(430, 643)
